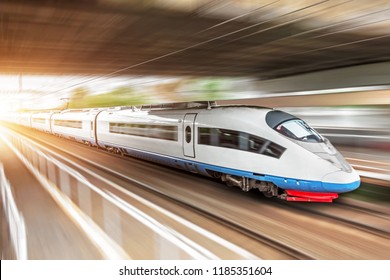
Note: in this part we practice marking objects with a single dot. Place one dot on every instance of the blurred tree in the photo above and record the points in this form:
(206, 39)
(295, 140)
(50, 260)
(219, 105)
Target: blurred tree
(169, 91)
(212, 89)
(77, 97)
(121, 91)
(121, 96)
(79, 93)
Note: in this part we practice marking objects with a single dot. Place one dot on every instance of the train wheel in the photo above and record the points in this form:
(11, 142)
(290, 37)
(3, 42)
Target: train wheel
(118, 151)
(229, 184)
(268, 194)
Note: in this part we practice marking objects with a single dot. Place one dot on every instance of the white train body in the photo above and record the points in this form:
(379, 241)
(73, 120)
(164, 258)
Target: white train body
(77, 125)
(248, 147)
(41, 121)
(24, 119)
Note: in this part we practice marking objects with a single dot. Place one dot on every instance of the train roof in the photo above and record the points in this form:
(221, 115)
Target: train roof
(178, 107)
(166, 107)
(195, 105)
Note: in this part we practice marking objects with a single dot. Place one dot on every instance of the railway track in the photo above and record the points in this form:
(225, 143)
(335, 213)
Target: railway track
(267, 239)
(352, 216)
(289, 252)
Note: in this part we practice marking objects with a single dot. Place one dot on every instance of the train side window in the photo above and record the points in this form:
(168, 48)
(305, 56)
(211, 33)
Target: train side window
(164, 132)
(228, 138)
(243, 141)
(274, 150)
(188, 134)
(255, 143)
(214, 137)
(39, 120)
(68, 123)
(204, 135)
(239, 140)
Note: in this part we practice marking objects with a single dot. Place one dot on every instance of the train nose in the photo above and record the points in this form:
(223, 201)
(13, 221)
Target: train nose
(341, 181)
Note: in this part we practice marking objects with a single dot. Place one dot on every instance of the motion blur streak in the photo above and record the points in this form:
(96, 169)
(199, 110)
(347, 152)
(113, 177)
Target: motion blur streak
(15, 219)
(142, 217)
(342, 235)
(326, 62)
(107, 246)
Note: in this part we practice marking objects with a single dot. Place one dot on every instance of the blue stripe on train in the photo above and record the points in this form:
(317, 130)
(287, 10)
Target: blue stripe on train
(199, 167)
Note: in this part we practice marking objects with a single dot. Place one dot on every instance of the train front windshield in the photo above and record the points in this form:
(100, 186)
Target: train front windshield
(299, 130)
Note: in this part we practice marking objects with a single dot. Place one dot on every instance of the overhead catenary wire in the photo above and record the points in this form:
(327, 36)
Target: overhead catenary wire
(113, 73)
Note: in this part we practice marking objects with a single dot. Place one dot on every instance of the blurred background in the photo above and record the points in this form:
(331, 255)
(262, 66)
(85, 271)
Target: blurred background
(327, 62)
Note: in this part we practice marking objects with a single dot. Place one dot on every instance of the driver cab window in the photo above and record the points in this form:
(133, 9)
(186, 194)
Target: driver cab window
(299, 130)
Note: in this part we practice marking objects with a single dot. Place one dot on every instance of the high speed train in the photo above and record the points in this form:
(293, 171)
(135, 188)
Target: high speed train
(244, 146)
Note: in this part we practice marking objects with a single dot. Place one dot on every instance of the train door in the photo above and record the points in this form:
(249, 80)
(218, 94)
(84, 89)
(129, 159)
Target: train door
(189, 135)
(91, 128)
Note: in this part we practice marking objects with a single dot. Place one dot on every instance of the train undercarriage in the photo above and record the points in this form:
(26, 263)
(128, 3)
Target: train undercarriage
(269, 189)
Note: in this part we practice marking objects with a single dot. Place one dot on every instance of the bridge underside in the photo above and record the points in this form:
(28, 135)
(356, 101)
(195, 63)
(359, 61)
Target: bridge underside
(265, 39)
